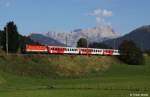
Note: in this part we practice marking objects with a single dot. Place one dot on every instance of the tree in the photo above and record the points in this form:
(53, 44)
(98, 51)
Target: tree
(1, 33)
(147, 52)
(12, 36)
(130, 53)
(82, 42)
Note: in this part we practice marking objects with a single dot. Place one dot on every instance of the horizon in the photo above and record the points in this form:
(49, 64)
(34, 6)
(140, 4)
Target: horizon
(64, 16)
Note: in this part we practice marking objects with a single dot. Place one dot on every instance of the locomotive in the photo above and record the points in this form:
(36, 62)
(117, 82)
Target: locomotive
(69, 50)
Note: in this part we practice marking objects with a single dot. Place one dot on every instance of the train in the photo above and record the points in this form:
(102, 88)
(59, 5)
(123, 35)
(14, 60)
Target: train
(70, 50)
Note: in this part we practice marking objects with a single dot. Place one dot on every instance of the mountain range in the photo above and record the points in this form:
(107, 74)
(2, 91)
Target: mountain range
(44, 40)
(141, 36)
(96, 34)
(105, 35)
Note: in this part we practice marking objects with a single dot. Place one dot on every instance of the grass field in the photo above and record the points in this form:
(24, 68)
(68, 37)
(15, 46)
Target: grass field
(117, 80)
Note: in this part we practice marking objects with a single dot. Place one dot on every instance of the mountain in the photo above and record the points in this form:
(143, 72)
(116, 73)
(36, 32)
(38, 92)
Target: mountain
(141, 36)
(44, 40)
(96, 34)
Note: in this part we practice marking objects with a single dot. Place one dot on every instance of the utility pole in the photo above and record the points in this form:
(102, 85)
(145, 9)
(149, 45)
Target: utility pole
(6, 40)
(114, 43)
(66, 40)
(87, 44)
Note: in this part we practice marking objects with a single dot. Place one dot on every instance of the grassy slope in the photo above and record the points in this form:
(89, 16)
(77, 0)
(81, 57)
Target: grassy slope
(119, 80)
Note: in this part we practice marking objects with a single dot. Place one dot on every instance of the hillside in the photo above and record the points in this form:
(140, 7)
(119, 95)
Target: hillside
(46, 65)
(45, 40)
(140, 36)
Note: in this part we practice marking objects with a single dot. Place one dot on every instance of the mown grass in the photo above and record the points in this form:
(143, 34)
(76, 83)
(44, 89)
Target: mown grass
(114, 80)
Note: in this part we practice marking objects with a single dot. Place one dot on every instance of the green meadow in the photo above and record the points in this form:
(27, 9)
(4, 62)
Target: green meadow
(72, 76)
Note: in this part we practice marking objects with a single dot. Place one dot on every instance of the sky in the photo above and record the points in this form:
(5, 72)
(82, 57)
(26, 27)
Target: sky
(42, 16)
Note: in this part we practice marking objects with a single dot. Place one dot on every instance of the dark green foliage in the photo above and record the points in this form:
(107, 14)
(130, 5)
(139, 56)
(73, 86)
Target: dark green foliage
(15, 40)
(130, 53)
(98, 45)
(147, 52)
(1, 33)
(13, 37)
(82, 42)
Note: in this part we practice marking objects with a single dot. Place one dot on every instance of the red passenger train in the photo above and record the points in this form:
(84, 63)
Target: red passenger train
(70, 50)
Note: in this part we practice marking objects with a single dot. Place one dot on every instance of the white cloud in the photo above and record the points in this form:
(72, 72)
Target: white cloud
(100, 14)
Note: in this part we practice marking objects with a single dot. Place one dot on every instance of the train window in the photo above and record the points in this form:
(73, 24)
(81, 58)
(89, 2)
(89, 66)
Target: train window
(115, 51)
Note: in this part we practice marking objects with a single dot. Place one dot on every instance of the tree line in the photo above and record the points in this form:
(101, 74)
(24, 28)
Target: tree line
(11, 39)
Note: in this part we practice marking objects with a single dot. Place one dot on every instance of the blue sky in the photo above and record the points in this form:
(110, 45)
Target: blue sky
(66, 15)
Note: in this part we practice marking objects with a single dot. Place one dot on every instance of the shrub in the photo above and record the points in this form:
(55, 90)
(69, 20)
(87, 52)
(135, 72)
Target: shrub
(130, 53)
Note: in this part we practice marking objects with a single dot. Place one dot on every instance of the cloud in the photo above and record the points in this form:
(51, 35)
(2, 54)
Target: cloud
(100, 14)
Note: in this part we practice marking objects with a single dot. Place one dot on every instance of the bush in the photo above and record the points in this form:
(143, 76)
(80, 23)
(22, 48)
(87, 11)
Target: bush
(147, 52)
(82, 42)
(130, 53)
